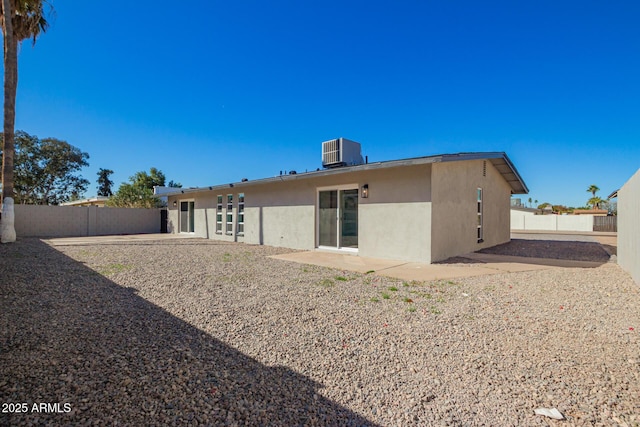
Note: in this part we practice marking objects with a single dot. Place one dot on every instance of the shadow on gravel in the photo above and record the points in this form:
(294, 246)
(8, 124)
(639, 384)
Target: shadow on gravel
(71, 336)
(552, 249)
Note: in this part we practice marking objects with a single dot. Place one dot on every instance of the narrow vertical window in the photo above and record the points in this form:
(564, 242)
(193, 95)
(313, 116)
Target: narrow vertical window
(219, 215)
(241, 214)
(229, 213)
(480, 231)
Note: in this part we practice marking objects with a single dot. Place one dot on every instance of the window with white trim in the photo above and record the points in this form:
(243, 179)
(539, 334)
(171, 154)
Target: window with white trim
(219, 215)
(479, 225)
(230, 214)
(241, 214)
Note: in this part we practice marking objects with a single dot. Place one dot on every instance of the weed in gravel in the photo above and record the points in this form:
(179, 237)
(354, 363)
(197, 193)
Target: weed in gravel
(108, 270)
(85, 253)
(341, 278)
(226, 257)
(434, 310)
(370, 271)
(412, 309)
(385, 295)
(408, 300)
(421, 294)
(393, 288)
(374, 299)
(405, 284)
(326, 283)
(17, 255)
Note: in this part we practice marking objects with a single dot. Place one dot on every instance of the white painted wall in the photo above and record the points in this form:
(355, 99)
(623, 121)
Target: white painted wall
(521, 221)
(629, 227)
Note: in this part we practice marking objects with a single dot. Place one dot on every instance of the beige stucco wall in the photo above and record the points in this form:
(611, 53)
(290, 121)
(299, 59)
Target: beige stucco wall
(70, 221)
(421, 213)
(393, 222)
(629, 226)
(454, 209)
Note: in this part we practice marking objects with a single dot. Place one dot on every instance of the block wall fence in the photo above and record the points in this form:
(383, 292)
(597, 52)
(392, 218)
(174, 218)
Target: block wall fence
(629, 227)
(521, 221)
(76, 221)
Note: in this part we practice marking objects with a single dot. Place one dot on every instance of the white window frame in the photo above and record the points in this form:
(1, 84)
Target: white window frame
(229, 215)
(240, 224)
(480, 219)
(219, 212)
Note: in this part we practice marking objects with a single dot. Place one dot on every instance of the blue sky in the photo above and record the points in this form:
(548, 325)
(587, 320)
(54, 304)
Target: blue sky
(212, 92)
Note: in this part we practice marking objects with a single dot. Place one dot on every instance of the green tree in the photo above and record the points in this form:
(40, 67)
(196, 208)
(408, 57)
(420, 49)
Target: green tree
(104, 183)
(593, 189)
(138, 192)
(131, 196)
(530, 201)
(149, 180)
(595, 202)
(45, 171)
(21, 19)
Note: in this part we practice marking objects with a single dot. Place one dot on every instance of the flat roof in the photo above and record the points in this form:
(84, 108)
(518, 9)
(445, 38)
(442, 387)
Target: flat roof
(499, 159)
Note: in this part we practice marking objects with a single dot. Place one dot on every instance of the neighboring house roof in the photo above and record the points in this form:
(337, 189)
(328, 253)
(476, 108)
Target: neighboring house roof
(524, 209)
(499, 159)
(613, 195)
(91, 201)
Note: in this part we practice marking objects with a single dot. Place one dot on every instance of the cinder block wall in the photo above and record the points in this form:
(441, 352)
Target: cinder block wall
(629, 227)
(71, 221)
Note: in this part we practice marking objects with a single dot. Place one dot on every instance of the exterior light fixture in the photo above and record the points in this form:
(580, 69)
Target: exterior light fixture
(175, 204)
(365, 191)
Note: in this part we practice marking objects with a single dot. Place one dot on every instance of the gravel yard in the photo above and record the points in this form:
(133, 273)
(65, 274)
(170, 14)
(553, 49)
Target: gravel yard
(198, 332)
(555, 249)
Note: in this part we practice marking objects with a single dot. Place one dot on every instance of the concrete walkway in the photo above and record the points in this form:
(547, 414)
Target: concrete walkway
(93, 240)
(479, 264)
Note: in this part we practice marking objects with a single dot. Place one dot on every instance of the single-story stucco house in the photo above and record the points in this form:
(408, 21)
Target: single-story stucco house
(423, 209)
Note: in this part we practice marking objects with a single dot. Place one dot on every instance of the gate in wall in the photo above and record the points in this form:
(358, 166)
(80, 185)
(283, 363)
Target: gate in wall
(605, 223)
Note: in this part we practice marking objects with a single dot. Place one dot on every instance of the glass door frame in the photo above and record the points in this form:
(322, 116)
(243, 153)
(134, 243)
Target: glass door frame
(339, 221)
(190, 215)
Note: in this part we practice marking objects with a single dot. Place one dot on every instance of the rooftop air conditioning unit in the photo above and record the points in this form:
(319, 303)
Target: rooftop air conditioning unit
(341, 152)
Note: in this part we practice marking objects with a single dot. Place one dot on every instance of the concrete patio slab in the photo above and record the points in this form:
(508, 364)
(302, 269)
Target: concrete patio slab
(477, 265)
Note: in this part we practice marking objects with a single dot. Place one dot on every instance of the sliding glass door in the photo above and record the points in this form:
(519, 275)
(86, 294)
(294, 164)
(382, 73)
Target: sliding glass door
(338, 218)
(186, 216)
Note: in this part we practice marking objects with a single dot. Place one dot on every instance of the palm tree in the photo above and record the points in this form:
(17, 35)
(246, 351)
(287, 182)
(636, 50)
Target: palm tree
(593, 189)
(595, 202)
(21, 19)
